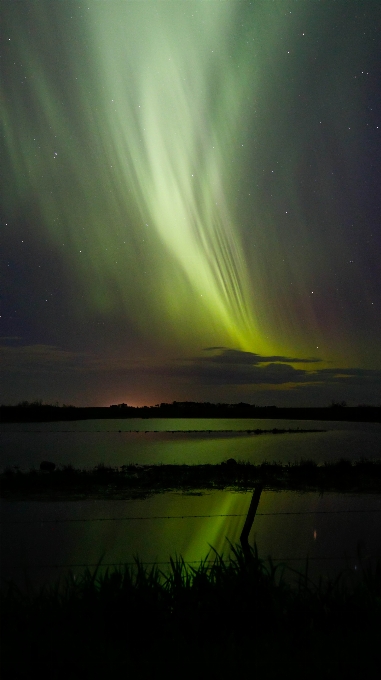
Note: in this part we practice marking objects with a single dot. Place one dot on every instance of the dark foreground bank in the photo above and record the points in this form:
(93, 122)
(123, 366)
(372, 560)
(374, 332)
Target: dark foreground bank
(38, 412)
(232, 618)
(133, 481)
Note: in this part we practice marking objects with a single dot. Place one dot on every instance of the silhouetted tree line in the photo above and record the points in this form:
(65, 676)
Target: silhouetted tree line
(38, 403)
(191, 404)
(189, 409)
(37, 411)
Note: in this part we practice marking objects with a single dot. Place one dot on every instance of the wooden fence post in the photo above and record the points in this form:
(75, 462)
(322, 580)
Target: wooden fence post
(250, 519)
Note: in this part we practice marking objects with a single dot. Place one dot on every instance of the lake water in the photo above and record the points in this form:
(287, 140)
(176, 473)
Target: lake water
(118, 442)
(44, 540)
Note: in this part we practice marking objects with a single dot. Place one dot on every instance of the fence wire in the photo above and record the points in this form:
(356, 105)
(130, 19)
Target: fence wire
(152, 517)
(204, 561)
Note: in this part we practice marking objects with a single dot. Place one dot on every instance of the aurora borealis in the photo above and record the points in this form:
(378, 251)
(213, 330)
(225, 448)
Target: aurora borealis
(191, 201)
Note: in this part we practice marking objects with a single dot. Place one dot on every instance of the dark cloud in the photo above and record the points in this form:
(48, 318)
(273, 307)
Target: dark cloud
(42, 367)
(236, 356)
(36, 358)
(10, 338)
(234, 367)
(228, 367)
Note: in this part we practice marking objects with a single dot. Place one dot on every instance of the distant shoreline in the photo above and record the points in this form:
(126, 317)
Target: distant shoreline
(49, 413)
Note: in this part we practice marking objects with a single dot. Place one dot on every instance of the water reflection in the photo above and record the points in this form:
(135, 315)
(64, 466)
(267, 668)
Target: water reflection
(182, 425)
(287, 526)
(80, 443)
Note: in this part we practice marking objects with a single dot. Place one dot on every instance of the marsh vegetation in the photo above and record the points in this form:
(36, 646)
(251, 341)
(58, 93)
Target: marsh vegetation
(221, 618)
(134, 481)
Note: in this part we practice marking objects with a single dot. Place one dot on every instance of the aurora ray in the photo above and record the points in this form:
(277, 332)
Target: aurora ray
(162, 120)
(172, 137)
(192, 174)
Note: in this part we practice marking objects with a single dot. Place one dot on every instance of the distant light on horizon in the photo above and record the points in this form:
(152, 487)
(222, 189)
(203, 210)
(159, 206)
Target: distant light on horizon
(180, 176)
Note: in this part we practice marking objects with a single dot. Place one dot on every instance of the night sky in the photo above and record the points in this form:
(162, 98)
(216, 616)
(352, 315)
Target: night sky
(190, 201)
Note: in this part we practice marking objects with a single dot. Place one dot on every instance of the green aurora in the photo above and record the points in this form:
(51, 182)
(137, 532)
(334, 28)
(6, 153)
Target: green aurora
(191, 175)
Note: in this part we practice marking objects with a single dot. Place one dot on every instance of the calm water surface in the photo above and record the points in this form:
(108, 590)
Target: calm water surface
(36, 536)
(43, 540)
(118, 442)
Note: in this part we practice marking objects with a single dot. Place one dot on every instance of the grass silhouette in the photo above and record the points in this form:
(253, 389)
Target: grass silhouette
(227, 616)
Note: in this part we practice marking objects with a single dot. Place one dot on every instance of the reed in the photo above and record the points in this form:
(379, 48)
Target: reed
(221, 617)
(131, 481)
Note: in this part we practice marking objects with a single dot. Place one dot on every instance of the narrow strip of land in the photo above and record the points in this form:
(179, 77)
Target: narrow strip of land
(36, 412)
(139, 481)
